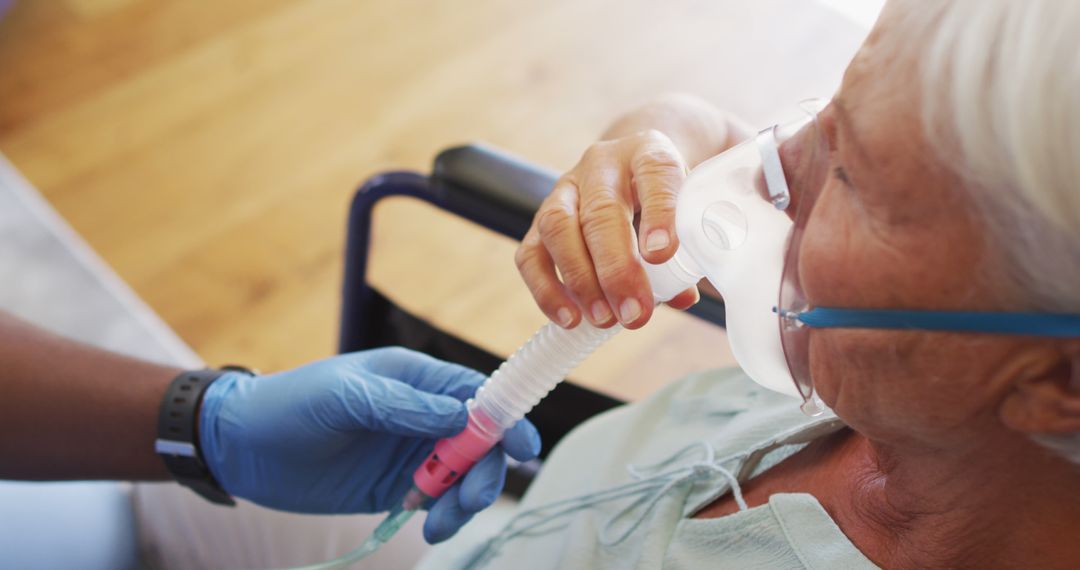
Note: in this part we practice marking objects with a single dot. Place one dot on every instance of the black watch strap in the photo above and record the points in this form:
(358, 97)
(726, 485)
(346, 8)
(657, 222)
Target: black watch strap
(177, 441)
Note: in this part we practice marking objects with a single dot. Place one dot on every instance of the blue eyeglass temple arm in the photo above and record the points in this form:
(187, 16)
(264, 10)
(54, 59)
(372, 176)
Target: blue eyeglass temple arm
(1029, 324)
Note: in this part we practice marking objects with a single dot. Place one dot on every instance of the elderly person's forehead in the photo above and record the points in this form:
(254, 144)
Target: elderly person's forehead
(877, 108)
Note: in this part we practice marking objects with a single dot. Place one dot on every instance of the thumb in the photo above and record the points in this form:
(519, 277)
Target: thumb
(385, 405)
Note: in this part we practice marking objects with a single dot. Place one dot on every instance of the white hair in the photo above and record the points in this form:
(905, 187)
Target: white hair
(1001, 100)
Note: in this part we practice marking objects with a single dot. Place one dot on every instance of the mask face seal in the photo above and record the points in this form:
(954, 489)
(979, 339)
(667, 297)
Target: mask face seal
(734, 221)
(741, 217)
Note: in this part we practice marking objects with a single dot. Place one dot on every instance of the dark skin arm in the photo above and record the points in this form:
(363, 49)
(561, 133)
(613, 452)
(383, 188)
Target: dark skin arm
(71, 411)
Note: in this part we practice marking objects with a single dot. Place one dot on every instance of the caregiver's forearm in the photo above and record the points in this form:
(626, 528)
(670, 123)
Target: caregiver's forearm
(71, 411)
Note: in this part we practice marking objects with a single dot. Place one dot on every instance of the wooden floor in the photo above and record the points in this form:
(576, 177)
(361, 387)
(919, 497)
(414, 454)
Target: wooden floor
(208, 150)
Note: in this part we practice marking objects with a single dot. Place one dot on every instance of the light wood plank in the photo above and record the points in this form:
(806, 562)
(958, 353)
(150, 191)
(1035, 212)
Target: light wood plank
(208, 150)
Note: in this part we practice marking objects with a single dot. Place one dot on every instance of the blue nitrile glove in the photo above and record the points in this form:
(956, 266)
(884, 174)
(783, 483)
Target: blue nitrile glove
(344, 435)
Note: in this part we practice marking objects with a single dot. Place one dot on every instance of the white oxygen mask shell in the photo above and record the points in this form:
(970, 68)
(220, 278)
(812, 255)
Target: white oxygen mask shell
(730, 232)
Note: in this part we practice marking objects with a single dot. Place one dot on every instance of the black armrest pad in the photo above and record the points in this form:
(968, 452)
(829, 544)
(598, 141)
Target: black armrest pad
(492, 187)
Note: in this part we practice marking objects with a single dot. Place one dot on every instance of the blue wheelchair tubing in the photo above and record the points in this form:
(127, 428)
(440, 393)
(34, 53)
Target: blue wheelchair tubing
(1025, 324)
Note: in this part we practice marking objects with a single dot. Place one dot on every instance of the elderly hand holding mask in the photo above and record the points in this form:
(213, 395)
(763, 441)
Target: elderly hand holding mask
(921, 287)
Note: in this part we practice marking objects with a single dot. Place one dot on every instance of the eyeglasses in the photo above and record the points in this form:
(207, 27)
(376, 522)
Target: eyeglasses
(794, 174)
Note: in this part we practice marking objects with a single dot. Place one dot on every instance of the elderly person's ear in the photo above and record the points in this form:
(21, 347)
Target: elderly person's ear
(1045, 394)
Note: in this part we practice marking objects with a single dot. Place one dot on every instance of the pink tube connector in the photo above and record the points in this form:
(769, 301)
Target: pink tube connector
(507, 395)
(452, 457)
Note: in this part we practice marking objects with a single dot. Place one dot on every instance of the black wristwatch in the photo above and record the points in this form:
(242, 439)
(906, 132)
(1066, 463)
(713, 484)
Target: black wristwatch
(177, 440)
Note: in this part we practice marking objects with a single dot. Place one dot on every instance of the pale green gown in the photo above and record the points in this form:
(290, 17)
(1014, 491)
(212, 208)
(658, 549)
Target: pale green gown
(685, 444)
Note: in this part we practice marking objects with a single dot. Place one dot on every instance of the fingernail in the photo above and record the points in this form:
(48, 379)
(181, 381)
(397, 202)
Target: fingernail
(657, 240)
(600, 312)
(629, 310)
(565, 317)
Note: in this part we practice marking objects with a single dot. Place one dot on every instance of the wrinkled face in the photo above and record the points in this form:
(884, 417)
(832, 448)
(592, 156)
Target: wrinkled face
(891, 228)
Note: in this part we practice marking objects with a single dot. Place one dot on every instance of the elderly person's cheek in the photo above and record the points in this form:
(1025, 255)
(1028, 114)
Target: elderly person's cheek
(825, 253)
(859, 373)
(823, 271)
(850, 368)
(837, 269)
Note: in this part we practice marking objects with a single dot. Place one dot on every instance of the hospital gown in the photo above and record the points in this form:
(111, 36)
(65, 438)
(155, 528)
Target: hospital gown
(620, 490)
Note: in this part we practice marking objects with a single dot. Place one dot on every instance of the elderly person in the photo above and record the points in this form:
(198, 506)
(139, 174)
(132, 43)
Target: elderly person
(952, 167)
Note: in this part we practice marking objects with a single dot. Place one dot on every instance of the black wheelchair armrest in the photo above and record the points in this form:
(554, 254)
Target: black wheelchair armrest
(503, 189)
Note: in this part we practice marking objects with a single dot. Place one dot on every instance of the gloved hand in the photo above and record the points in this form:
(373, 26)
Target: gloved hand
(344, 435)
